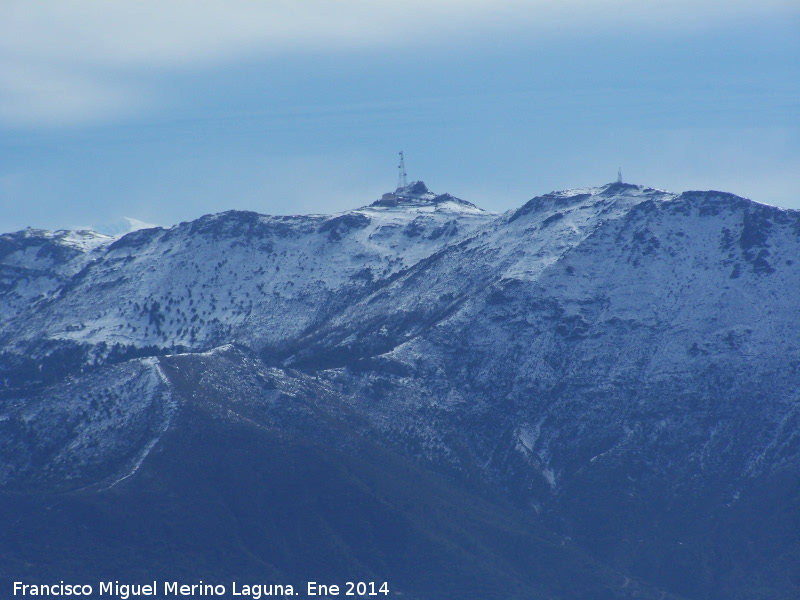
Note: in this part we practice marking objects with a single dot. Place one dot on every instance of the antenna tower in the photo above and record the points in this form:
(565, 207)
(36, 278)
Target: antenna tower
(619, 175)
(401, 179)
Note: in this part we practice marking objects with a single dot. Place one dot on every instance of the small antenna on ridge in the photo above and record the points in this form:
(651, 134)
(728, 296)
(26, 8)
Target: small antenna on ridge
(402, 181)
(619, 174)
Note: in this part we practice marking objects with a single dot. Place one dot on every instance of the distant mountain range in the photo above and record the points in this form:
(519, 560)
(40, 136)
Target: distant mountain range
(596, 395)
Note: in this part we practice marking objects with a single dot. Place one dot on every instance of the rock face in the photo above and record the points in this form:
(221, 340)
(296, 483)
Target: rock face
(614, 371)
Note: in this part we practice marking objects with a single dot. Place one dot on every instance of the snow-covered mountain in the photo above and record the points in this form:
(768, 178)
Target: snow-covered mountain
(620, 363)
(234, 276)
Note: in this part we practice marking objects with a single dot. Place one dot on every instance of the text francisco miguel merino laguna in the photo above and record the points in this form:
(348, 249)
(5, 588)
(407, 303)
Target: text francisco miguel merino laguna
(123, 591)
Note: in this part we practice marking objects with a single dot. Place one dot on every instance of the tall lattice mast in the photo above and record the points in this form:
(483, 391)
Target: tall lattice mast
(619, 175)
(401, 179)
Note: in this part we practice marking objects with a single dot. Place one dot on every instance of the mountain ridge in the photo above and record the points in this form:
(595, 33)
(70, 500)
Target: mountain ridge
(620, 363)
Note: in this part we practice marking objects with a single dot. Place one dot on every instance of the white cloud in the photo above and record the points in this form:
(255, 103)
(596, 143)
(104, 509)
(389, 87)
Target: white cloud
(73, 60)
(119, 228)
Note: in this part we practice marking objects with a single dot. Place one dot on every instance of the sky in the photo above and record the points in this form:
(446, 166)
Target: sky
(160, 111)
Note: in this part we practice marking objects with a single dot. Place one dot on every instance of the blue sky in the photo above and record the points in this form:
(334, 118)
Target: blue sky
(163, 111)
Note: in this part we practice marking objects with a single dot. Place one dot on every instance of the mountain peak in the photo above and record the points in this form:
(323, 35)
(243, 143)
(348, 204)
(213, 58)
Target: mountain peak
(618, 187)
(415, 188)
(417, 194)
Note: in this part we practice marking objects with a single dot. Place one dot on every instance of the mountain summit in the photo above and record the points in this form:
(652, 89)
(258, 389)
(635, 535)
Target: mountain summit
(417, 194)
(595, 394)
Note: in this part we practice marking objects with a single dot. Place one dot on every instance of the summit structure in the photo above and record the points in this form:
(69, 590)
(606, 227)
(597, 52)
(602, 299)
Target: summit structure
(417, 194)
(402, 179)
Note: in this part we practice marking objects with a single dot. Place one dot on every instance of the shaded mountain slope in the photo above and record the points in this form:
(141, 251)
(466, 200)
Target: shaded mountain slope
(232, 493)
